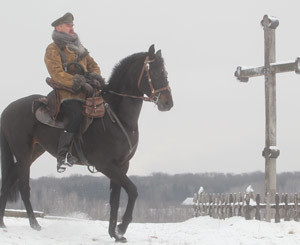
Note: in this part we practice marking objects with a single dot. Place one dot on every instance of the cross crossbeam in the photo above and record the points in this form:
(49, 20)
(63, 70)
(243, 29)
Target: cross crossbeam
(244, 73)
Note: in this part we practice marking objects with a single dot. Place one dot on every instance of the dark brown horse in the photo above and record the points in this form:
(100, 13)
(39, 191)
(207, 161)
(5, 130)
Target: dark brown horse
(108, 148)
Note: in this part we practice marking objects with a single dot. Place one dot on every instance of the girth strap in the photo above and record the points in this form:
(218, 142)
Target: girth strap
(114, 118)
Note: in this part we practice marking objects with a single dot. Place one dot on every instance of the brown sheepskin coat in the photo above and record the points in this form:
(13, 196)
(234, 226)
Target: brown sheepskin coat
(54, 65)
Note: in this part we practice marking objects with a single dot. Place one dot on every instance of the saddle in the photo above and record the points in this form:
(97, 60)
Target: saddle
(46, 110)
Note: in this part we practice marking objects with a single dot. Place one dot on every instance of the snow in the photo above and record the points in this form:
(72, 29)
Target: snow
(189, 201)
(200, 190)
(201, 230)
(274, 148)
(249, 189)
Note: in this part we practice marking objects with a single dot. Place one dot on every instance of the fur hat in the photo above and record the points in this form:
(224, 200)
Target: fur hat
(67, 18)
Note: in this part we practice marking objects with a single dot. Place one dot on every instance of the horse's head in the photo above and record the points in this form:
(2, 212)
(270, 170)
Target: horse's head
(153, 80)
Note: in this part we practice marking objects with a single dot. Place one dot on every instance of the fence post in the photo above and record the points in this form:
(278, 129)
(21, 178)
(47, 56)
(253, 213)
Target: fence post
(291, 206)
(218, 205)
(222, 206)
(198, 204)
(226, 205)
(257, 213)
(195, 205)
(277, 207)
(214, 204)
(230, 205)
(247, 207)
(286, 208)
(240, 202)
(210, 205)
(234, 204)
(268, 207)
(296, 210)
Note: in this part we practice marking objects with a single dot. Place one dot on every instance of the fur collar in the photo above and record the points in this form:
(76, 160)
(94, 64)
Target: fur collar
(72, 42)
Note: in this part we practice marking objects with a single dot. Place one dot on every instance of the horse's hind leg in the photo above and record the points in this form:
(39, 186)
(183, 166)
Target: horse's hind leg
(3, 200)
(23, 174)
(8, 191)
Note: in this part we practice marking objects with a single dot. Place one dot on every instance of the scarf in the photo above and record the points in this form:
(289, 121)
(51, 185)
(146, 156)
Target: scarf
(63, 39)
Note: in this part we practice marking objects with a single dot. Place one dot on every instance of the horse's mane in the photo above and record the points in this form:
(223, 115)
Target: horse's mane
(121, 68)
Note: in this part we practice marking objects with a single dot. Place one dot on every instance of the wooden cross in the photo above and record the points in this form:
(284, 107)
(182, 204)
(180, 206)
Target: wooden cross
(269, 70)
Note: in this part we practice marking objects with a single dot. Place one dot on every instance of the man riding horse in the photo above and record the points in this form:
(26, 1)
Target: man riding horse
(62, 58)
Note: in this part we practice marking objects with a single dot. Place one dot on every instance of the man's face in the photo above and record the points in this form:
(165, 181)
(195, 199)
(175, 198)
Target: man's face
(66, 27)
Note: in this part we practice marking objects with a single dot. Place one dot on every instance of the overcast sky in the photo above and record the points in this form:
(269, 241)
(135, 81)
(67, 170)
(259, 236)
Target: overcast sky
(217, 123)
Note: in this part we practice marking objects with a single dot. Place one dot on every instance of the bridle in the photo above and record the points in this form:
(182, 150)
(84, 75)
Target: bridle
(155, 93)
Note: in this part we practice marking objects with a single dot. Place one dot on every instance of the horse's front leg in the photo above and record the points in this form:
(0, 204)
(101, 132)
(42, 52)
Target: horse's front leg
(119, 178)
(127, 217)
(115, 191)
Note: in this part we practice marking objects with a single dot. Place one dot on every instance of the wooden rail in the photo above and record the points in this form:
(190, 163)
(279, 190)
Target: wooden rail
(21, 213)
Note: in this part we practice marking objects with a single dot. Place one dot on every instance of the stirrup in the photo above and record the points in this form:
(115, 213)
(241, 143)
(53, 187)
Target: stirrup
(69, 161)
(60, 168)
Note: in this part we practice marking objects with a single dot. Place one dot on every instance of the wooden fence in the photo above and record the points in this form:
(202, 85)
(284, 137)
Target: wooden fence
(221, 206)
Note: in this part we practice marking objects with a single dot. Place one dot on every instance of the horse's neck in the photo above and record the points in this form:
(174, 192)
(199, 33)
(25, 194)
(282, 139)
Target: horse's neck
(128, 112)
(127, 109)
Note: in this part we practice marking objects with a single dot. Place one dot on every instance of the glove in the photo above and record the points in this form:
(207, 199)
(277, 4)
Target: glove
(78, 81)
(88, 89)
(94, 83)
(99, 79)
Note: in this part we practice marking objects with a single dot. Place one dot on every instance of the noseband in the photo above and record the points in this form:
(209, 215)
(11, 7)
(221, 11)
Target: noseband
(155, 93)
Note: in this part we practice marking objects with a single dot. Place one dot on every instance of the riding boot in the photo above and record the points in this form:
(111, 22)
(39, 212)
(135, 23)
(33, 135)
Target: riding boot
(64, 156)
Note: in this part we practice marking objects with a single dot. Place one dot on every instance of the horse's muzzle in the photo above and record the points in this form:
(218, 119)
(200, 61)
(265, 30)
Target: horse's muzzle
(165, 102)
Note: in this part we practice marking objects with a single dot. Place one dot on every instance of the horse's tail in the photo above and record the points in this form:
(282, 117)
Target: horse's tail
(8, 171)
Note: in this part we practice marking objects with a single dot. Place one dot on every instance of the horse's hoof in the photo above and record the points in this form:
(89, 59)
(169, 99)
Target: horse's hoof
(119, 235)
(121, 240)
(2, 225)
(120, 231)
(35, 225)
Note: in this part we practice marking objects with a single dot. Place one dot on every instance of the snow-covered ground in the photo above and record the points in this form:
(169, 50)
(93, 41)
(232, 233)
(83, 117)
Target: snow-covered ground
(202, 230)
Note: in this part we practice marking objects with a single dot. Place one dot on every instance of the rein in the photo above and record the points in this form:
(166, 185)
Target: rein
(153, 97)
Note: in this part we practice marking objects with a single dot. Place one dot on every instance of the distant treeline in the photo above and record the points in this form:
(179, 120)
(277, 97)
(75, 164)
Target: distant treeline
(160, 195)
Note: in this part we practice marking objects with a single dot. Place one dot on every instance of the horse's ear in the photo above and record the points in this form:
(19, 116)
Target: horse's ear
(151, 52)
(158, 53)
